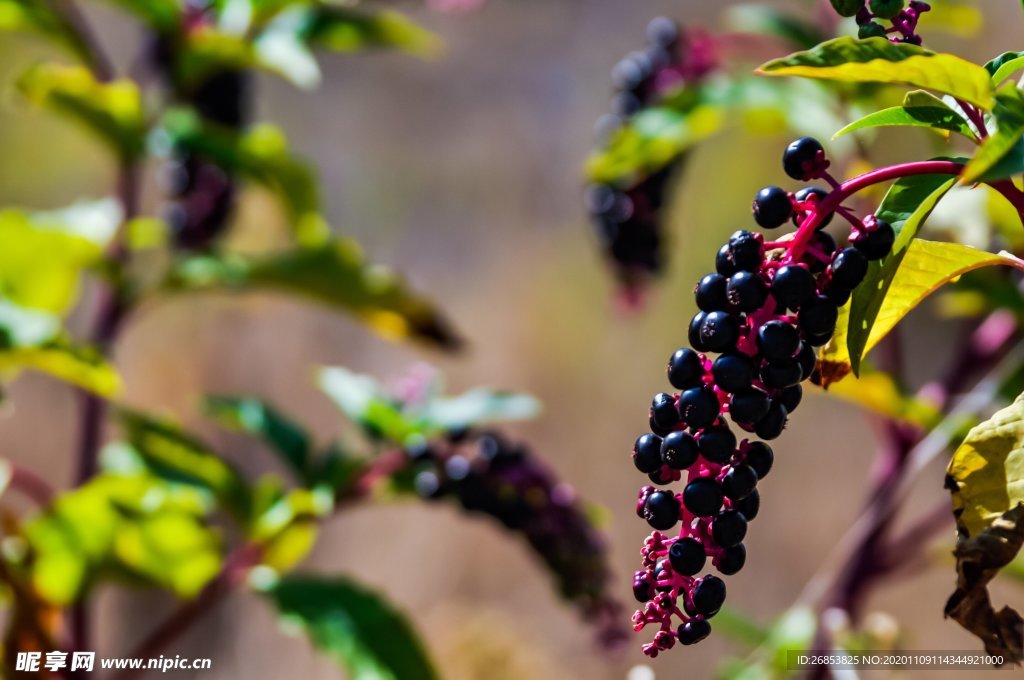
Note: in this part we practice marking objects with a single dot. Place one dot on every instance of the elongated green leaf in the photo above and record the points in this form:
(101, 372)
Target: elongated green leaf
(1009, 116)
(260, 155)
(925, 268)
(112, 110)
(906, 206)
(38, 17)
(935, 117)
(876, 60)
(353, 626)
(173, 455)
(257, 418)
(1004, 65)
(344, 29)
(986, 478)
(335, 274)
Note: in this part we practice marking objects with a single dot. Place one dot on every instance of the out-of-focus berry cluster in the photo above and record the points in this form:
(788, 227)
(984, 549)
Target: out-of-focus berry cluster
(487, 474)
(763, 311)
(627, 213)
(902, 18)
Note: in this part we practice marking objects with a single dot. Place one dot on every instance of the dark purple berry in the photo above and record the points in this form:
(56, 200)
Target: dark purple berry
(710, 293)
(692, 632)
(739, 482)
(687, 556)
(824, 242)
(643, 589)
(778, 340)
(818, 316)
(723, 261)
(780, 375)
(849, 267)
(749, 506)
(749, 406)
(679, 450)
(817, 339)
(709, 595)
(698, 407)
(793, 285)
(661, 510)
(685, 369)
(732, 560)
(813, 195)
(647, 453)
(717, 443)
(772, 207)
(663, 32)
(760, 457)
(661, 477)
(791, 397)
(807, 360)
(799, 160)
(694, 332)
(836, 294)
(733, 372)
(664, 413)
(876, 244)
(703, 497)
(747, 291)
(747, 250)
(719, 331)
(729, 528)
(773, 423)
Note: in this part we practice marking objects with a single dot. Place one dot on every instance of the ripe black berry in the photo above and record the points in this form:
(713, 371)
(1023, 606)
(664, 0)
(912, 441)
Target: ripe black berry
(747, 291)
(739, 482)
(760, 457)
(779, 375)
(773, 423)
(817, 340)
(732, 560)
(799, 160)
(876, 244)
(849, 266)
(692, 632)
(647, 453)
(698, 407)
(749, 506)
(723, 261)
(729, 528)
(679, 450)
(778, 340)
(824, 242)
(661, 510)
(703, 497)
(772, 207)
(694, 331)
(818, 316)
(836, 294)
(747, 250)
(663, 32)
(685, 369)
(717, 444)
(709, 595)
(813, 195)
(719, 331)
(793, 285)
(643, 588)
(664, 413)
(733, 372)
(791, 397)
(710, 293)
(687, 556)
(807, 360)
(748, 406)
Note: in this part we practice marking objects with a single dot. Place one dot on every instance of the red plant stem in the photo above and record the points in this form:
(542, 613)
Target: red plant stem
(975, 116)
(32, 485)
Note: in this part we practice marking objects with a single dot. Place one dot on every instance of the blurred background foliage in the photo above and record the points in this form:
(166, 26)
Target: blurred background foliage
(462, 170)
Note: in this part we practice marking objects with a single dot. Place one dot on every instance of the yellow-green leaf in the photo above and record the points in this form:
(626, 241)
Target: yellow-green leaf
(1004, 65)
(1009, 117)
(78, 365)
(934, 117)
(112, 110)
(345, 29)
(878, 392)
(876, 60)
(335, 274)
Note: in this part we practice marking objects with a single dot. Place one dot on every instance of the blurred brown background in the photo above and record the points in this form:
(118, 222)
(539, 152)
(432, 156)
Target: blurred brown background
(464, 173)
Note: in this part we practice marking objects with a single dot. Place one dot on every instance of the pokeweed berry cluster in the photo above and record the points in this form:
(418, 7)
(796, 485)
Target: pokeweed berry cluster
(902, 18)
(627, 215)
(763, 311)
(490, 475)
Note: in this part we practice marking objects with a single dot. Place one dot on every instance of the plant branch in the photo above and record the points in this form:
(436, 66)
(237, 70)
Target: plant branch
(30, 484)
(99, 62)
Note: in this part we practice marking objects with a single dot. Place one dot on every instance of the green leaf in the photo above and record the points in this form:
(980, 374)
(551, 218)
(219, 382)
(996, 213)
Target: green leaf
(874, 61)
(652, 139)
(344, 29)
(906, 206)
(260, 155)
(132, 525)
(83, 366)
(257, 418)
(935, 117)
(1009, 117)
(927, 266)
(169, 453)
(774, 22)
(354, 627)
(112, 110)
(362, 400)
(1005, 65)
(986, 479)
(335, 274)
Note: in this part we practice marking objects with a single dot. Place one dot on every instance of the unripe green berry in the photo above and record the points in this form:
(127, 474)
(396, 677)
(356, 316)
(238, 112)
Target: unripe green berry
(847, 8)
(872, 29)
(885, 9)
